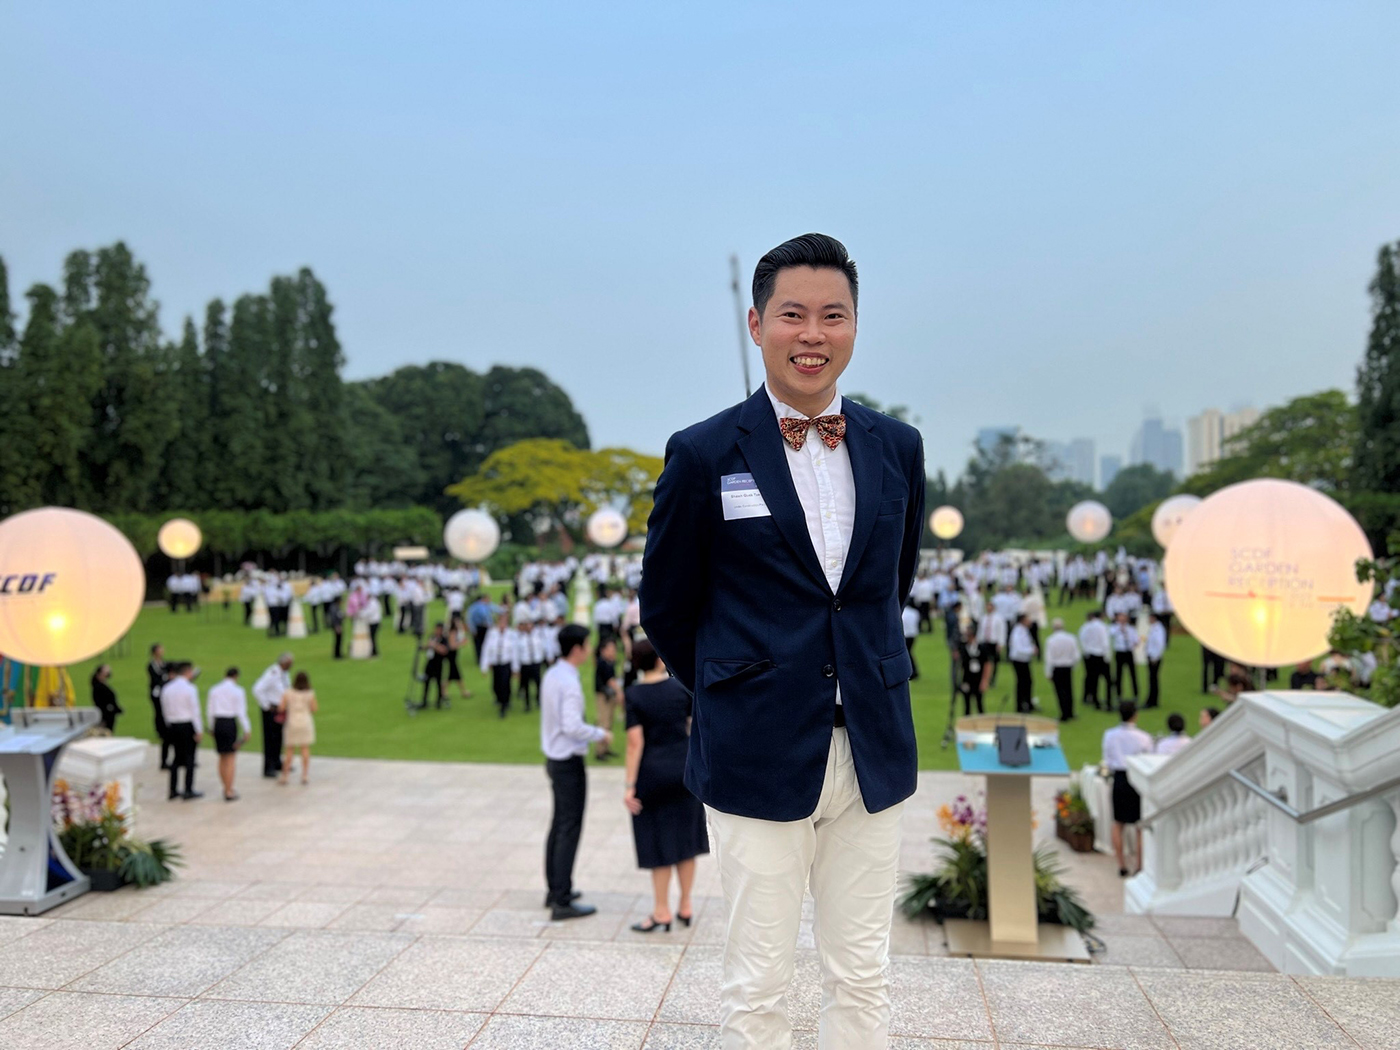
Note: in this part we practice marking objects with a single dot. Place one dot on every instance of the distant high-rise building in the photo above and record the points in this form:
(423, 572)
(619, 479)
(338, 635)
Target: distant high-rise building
(1071, 460)
(988, 438)
(1157, 445)
(1109, 466)
(1208, 434)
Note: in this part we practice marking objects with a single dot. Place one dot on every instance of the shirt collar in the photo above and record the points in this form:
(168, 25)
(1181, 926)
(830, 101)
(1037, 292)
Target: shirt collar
(783, 411)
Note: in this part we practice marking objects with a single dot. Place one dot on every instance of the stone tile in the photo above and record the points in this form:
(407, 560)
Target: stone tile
(1369, 1009)
(1081, 1005)
(334, 893)
(478, 899)
(103, 907)
(232, 1026)
(936, 998)
(604, 926)
(1212, 1011)
(369, 917)
(1173, 926)
(407, 897)
(71, 1021)
(618, 981)
(313, 966)
(236, 911)
(283, 892)
(434, 919)
(180, 962)
(1106, 926)
(682, 1037)
(306, 915)
(172, 909)
(356, 1027)
(13, 927)
(451, 973)
(64, 951)
(12, 999)
(551, 1033)
(1220, 953)
(908, 938)
(516, 923)
(693, 997)
(1129, 950)
(208, 889)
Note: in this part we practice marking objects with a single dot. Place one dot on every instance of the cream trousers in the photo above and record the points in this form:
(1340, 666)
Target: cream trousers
(850, 859)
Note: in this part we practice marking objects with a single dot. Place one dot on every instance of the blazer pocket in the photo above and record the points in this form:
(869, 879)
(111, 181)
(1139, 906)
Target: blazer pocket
(891, 506)
(721, 673)
(896, 669)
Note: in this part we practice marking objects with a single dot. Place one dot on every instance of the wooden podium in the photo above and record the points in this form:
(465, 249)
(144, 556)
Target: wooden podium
(1012, 930)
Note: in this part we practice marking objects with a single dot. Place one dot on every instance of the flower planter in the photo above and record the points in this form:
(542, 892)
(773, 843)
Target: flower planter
(105, 881)
(1079, 841)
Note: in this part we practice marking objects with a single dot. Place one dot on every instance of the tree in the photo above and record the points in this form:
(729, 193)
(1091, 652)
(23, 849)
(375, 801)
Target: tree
(381, 465)
(524, 403)
(7, 319)
(240, 414)
(182, 478)
(1132, 488)
(899, 412)
(1378, 382)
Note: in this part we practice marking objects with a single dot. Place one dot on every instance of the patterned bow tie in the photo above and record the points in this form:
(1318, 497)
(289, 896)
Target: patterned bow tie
(831, 429)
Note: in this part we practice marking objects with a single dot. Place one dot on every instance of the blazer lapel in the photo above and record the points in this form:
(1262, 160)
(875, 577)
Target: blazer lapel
(867, 471)
(762, 448)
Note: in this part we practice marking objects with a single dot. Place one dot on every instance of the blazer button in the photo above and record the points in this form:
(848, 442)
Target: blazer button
(828, 671)
(836, 604)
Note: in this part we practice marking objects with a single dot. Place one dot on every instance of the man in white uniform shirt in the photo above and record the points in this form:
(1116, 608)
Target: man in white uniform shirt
(228, 712)
(1061, 656)
(1094, 644)
(179, 704)
(1119, 744)
(267, 691)
(1156, 647)
(564, 739)
(1020, 648)
(1123, 636)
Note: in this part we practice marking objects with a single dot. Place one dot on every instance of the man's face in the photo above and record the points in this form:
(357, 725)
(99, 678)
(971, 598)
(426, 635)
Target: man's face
(807, 333)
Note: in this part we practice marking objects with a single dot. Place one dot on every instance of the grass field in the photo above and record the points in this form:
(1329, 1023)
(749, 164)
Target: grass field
(362, 712)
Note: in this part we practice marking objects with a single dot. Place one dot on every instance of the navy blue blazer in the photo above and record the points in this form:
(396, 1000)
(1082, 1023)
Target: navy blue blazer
(743, 615)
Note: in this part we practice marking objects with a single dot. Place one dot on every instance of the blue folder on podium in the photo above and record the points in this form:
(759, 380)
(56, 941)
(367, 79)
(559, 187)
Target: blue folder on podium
(1012, 930)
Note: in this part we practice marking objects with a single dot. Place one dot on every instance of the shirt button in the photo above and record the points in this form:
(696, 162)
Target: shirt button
(836, 604)
(828, 671)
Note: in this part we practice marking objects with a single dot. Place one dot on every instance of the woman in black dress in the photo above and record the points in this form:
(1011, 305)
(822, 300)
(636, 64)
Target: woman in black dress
(104, 698)
(668, 822)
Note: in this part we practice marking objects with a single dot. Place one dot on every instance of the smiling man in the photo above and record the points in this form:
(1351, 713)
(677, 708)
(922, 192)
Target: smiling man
(780, 551)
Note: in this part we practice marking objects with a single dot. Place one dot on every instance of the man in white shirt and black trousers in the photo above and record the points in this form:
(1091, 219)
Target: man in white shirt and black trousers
(1061, 656)
(267, 691)
(179, 704)
(1020, 648)
(780, 550)
(1093, 642)
(564, 739)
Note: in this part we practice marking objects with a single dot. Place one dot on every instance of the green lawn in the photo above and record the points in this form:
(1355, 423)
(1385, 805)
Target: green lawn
(362, 712)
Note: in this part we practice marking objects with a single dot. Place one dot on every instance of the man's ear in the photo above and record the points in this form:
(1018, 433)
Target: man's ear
(755, 327)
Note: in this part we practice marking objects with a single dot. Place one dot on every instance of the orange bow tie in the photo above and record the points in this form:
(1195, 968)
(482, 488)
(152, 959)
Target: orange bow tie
(831, 429)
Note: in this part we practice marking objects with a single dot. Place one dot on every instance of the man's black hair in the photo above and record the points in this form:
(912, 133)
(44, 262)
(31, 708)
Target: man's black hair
(182, 667)
(811, 249)
(1127, 710)
(232, 672)
(571, 637)
(1176, 723)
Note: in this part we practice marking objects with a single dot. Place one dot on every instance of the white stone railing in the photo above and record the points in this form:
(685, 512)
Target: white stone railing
(1314, 895)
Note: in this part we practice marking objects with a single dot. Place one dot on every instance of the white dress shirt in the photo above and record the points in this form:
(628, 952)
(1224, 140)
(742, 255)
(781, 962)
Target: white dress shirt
(500, 648)
(179, 702)
(991, 630)
(826, 488)
(228, 699)
(1061, 650)
(1156, 641)
(1122, 742)
(563, 732)
(270, 686)
(1093, 638)
(910, 616)
(1124, 636)
(1170, 745)
(1021, 649)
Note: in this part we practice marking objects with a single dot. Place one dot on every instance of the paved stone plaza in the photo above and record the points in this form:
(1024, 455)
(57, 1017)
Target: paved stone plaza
(398, 905)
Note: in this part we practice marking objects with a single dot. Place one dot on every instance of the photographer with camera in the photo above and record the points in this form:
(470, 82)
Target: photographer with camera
(436, 648)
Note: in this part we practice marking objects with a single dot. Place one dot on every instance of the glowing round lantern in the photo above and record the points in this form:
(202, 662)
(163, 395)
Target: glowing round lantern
(606, 527)
(70, 586)
(1169, 515)
(179, 538)
(1256, 571)
(946, 522)
(1089, 522)
(471, 535)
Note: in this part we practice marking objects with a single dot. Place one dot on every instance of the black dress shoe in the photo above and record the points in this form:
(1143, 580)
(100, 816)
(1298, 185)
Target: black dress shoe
(193, 794)
(172, 796)
(573, 896)
(571, 911)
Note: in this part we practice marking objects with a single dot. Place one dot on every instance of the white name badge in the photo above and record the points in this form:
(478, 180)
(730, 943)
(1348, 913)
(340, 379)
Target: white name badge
(739, 495)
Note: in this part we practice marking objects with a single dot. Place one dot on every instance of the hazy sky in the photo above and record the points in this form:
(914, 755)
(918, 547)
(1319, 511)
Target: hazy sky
(1062, 212)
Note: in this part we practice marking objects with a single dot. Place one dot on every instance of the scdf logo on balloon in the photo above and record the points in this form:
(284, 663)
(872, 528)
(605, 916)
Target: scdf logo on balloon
(26, 583)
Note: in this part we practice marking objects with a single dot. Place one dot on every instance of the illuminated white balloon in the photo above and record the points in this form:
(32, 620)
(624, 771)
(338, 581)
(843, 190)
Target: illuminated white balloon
(946, 522)
(606, 527)
(1257, 570)
(70, 586)
(1089, 521)
(471, 535)
(179, 538)
(1169, 515)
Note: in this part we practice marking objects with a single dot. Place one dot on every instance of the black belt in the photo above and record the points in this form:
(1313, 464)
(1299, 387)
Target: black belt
(839, 719)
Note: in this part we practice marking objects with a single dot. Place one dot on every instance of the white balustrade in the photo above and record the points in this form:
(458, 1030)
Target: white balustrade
(1317, 897)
